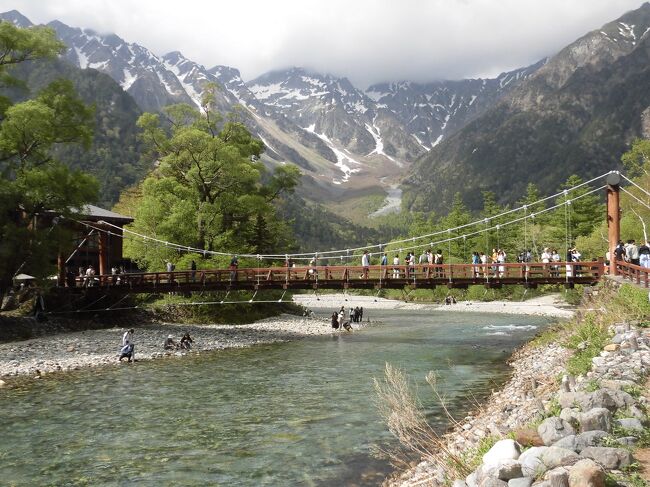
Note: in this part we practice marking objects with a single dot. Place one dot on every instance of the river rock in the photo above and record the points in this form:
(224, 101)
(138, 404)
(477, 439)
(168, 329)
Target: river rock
(631, 424)
(558, 477)
(570, 415)
(621, 398)
(492, 482)
(470, 480)
(553, 429)
(612, 347)
(2, 383)
(579, 442)
(459, 483)
(609, 458)
(586, 473)
(538, 459)
(521, 482)
(508, 469)
(502, 450)
(636, 412)
(628, 440)
(618, 338)
(596, 419)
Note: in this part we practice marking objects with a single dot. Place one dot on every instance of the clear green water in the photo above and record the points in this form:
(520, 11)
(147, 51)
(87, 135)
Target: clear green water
(299, 413)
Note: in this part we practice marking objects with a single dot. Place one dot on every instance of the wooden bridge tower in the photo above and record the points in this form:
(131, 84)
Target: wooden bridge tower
(613, 217)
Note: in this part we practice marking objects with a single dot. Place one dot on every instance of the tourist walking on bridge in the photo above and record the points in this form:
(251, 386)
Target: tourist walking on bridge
(365, 263)
(644, 255)
(632, 252)
(396, 268)
(234, 263)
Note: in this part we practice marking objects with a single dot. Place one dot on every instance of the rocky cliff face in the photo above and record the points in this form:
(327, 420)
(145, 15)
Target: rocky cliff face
(574, 115)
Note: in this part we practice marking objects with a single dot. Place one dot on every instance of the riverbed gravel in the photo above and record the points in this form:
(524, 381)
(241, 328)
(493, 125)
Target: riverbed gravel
(71, 351)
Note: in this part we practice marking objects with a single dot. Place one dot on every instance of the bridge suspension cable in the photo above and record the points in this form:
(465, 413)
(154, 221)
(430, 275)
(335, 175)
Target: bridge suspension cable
(348, 253)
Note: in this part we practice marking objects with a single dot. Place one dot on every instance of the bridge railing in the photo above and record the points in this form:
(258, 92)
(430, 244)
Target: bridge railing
(634, 273)
(375, 275)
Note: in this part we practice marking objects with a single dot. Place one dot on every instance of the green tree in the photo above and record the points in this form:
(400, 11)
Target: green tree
(32, 181)
(577, 215)
(637, 160)
(210, 191)
(460, 248)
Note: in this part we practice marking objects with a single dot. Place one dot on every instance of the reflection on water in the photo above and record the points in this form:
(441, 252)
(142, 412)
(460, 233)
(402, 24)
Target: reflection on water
(298, 413)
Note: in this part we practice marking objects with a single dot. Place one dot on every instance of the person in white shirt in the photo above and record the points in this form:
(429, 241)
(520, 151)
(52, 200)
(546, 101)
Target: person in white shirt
(396, 269)
(365, 262)
(128, 347)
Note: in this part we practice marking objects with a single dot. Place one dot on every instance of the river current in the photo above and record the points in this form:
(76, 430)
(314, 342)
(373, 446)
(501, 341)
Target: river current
(298, 413)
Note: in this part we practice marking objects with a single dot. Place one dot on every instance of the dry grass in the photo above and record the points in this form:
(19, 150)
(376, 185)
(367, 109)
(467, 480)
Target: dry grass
(403, 412)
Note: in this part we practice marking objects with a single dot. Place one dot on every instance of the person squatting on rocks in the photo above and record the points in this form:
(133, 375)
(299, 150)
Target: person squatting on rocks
(186, 341)
(128, 347)
(169, 343)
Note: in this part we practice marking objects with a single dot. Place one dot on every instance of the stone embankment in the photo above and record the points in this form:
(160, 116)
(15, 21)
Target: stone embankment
(571, 436)
(90, 348)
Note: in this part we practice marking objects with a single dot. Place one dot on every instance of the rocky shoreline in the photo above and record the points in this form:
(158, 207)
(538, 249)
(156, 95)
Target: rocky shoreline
(97, 347)
(566, 426)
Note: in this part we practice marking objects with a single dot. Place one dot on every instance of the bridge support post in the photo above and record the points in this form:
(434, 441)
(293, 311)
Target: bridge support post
(613, 217)
(103, 253)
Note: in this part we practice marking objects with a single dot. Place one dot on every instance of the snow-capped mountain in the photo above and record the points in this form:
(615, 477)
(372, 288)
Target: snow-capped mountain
(334, 131)
(432, 111)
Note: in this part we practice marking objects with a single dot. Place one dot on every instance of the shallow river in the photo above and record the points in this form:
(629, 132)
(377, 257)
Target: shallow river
(299, 413)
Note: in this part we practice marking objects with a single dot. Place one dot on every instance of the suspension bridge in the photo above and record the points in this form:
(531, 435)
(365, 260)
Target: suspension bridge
(309, 275)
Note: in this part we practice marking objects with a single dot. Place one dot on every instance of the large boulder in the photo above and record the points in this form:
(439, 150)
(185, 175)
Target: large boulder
(596, 419)
(586, 473)
(601, 398)
(538, 459)
(554, 429)
(630, 424)
(579, 442)
(502, 450)
(609, 458)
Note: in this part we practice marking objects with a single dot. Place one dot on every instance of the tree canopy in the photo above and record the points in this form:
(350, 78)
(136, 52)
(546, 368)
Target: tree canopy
(209, 190)
(32, 181)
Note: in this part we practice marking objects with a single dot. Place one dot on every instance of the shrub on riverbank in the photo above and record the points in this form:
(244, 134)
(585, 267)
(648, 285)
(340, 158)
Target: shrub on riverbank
(236, 307)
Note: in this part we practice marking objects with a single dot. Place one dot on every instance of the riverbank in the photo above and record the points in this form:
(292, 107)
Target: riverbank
(99, 347)
(549, 305)
(586, 421)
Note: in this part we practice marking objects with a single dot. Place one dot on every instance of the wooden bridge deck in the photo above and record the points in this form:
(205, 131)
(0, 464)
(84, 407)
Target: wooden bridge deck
(344, 277)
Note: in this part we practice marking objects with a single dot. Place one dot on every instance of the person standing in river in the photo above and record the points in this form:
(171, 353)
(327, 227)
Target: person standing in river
(128, 347)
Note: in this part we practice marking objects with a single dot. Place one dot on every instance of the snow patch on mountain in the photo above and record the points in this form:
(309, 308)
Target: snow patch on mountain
(342, 159)
(128, 80)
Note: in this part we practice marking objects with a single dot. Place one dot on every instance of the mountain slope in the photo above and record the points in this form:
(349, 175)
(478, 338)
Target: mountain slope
(574, 115)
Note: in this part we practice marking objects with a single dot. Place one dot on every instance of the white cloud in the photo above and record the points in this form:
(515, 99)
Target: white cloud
(365, 40)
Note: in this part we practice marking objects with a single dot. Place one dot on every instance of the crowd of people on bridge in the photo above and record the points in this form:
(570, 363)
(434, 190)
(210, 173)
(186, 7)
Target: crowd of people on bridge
(630, 252)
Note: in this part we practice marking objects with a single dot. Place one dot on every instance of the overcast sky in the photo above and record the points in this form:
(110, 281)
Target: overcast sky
(366, 40)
